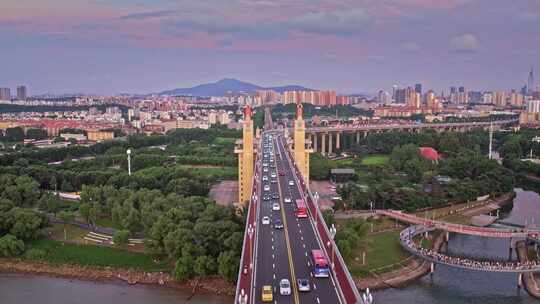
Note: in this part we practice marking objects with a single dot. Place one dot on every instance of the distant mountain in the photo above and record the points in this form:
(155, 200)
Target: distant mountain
(227, 86)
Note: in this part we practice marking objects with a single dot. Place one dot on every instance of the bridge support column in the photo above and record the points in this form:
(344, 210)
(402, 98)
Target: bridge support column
(357, 137)
(338, 143)
(520, 280)
(365, 134)
(447, 237)
(315, 136)
(330, 143)
(432, 268)
(323, 143)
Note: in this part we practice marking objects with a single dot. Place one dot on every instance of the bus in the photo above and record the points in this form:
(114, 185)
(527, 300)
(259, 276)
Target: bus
(320, 264)
(301, 209)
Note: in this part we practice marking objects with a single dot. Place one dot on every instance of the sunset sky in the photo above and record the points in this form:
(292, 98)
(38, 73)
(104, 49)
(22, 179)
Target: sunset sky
(141, 46)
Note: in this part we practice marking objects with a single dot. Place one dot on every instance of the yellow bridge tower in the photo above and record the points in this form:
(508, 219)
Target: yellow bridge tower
(245, 151)
(302, 147)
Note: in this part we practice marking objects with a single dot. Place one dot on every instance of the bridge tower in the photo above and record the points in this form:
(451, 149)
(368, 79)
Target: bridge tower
(302, 148)
(245, 151)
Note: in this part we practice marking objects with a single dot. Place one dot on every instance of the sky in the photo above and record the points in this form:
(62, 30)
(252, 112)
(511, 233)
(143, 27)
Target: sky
(351, 46)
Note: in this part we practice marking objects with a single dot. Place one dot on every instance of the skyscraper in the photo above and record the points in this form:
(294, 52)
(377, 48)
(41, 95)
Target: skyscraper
(530, 82)
(418, 88)
(5, 94)
(21, 92)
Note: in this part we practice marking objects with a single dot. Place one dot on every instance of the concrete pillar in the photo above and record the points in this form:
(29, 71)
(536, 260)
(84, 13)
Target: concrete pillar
(323, 143)
(447, 236)
(315, 136)
(357, 137)
(432, 268)
(338, 143)
(330, 143)
(520, 280)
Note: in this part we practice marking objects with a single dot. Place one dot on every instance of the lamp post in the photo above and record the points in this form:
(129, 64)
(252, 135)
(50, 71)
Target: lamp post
(129, 161)
(333, 232)
(250, 234)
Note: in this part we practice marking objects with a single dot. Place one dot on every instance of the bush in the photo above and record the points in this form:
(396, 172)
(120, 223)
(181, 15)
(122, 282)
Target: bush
(10, 246)
(35, 254)
(121, 237)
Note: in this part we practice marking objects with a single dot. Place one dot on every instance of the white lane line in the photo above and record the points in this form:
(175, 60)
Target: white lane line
(273, 248)
(273, 256)
(273, 265)
(309, 264)
(300, 231)
(305, 253)
(314, 286)
(311, 274)
(274, 276)
(302, 238)
(298, 225)
(272, 240)
(318, 301)
(304, 245)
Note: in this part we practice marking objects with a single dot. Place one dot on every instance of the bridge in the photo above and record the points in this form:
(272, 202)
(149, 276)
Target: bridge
(408, 243)
(278, 243)
(325, 139)
(462, 229)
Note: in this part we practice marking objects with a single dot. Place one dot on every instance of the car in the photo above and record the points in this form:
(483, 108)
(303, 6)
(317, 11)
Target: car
(266, 187)
(281, 173)
(278, 224)
(265, 169)
(291, 183)
(285, 287)
(287, 200)
(273, 181)
(273, 174)
(265, 177)
(265, 164)
(303, 285)
(275, 207)
(266, 220)
(267, 295)
(275, 196)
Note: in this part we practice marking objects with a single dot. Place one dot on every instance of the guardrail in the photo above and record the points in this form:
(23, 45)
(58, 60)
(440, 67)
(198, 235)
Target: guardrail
(348, 292)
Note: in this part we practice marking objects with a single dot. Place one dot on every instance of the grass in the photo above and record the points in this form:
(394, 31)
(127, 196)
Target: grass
(225, 140)
(375, 160)
(108, 223)
(91, 255)
(344, 162)
(218, 172)
(74, 233)
(382, 250)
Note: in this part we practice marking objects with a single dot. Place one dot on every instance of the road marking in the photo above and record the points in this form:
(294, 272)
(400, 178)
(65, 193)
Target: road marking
(304, 245)
(274, 276)
(273, 265)
(273, 248)
(302, 238)
(318, 301)
(273, 256)
(305, 253)
(300, 230)
(272, 240)
(287, 242)
(309, 264)
(314, 286)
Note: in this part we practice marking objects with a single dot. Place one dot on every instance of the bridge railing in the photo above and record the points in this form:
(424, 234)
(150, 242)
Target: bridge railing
(244, 288)
(346, 284)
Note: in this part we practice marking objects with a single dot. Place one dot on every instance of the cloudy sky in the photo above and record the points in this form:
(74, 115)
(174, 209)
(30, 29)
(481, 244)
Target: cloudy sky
(113, 46)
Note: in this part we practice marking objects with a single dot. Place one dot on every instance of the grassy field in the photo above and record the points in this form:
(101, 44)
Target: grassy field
(344, 162)
(382, 249)
(375, 160)
(73, 233)
(107, 223)
(218, 172)
(89, 255)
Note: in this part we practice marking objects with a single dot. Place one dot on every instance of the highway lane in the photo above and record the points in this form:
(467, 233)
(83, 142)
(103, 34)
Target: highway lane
(302, 236)
(272, 257)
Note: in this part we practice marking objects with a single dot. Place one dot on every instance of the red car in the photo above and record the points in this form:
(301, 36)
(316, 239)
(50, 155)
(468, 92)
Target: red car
(281, 173)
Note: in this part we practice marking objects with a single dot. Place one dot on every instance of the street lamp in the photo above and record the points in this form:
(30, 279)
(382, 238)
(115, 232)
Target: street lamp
(250, 234)
(129, 160)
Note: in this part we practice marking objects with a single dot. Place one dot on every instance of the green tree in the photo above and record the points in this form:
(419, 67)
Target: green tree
(10, 246)
(121, 237)
(184, 268)
(15, 134)
(36, 134)
(228, 263)
(25, 223)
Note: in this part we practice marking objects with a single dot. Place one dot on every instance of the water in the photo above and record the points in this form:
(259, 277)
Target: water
(17, 289)
(447, 286)
(458, 286)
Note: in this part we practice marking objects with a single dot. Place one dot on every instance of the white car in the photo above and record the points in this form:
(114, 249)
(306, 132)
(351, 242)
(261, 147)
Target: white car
(291, 183)
(285, 287)
(265, 169)
(266, 220)
(275, 207)
(266, 187)
(265, 177)
(303, 285)
(287, 200)
(273, 174)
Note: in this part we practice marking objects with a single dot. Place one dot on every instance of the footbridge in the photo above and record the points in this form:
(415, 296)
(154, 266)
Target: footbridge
(408, 243)
(533, 234)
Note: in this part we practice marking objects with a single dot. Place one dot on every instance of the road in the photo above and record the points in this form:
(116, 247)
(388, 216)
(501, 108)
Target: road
(285, 253)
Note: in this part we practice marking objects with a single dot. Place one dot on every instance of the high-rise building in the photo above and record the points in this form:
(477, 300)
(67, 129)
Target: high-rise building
(401, 95)
(533, 106)
(21, 93)
(5, 94)
(418, 88)
(430, 99)
(530, 82)
(414, 99)
(384, 97)
(475, 96)
(499, 99)
(516, 99)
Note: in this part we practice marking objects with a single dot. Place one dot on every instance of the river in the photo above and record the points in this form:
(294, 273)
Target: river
(457, 286)
(446, 286)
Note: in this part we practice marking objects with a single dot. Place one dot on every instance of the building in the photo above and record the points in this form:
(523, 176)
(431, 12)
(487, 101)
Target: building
(21, 93)
(401, 95)
(532, 115)
(5, 94)
(384, 97)
(418, 88)
(96, 135)
(499, 99)
(414, 99)
(516, 99)
(245, 150)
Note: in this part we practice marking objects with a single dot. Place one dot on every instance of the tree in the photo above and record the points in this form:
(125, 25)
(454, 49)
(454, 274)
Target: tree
(204, 265)
(184, 268)
(319, 167)
(36, 134)
(15, 134)
(121, 237)
(10, 246)
(25, 223)
(228, 264)
(84, 210)
(66, 217)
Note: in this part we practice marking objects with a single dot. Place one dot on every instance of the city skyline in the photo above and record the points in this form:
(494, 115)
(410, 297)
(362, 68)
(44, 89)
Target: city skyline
(108, 47)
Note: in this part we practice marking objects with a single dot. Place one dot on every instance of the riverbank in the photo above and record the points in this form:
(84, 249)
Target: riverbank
(211, 285)
(530, 281)
(412, 271)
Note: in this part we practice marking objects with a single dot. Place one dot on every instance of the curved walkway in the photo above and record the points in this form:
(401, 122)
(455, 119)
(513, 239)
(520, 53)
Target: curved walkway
(462, 229)
(406, 240)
